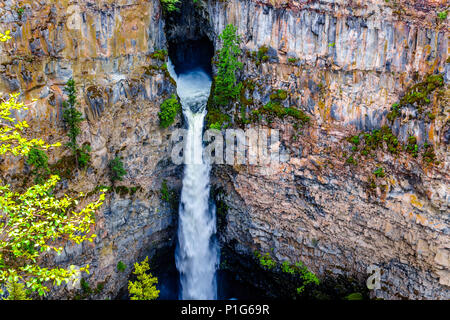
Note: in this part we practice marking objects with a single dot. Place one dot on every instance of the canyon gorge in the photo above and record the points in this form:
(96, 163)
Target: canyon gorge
(349, 65)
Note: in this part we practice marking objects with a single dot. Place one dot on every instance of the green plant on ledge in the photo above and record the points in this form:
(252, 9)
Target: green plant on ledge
(121, 267)
(442, 15)
(170, 5)
(379, 172)
(412, 147)
(39, 160)
(265, 260)
(116, 170)
(169, 110)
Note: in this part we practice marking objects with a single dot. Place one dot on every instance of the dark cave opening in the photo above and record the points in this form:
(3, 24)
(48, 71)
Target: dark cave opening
(191, 54)
(189, 36)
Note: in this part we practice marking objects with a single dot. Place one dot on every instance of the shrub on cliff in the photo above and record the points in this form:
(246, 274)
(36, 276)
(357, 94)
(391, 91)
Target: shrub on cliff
(170, 5)
(144, 288)
(116, 170)
(39, 161)
(169, 110)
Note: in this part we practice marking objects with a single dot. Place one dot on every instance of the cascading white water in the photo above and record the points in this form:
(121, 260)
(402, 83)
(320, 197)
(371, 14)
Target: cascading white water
(196, 252)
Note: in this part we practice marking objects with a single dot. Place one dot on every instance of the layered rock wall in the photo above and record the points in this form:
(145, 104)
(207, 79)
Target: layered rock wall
(350, 61)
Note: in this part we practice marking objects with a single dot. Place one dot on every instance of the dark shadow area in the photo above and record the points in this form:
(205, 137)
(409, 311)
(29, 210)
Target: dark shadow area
(189, 35)
(192, 54)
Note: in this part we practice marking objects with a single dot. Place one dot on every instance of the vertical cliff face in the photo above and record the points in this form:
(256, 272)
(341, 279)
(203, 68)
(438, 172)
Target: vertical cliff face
(106, 46)
(345, 63)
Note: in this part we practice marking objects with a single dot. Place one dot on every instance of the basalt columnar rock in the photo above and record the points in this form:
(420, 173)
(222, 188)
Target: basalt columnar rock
(344, 63)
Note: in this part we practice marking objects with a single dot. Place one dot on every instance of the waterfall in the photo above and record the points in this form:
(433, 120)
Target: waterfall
(197, 252)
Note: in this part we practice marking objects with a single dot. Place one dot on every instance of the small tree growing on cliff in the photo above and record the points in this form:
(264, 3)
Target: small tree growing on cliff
(226, 87)
(144, 288)
(73, 118)
(116, 170)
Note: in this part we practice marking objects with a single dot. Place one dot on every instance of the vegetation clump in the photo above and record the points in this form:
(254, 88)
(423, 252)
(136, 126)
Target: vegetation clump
(412, 147)
(170, 5)
(160, 54)
(144, 288)
(375, 140)
(117, 170)
(305, 276)
(38, 159)
(169, 110)
(379, 172)
(274, 108)
(418, 95)
(121, 267)
(428, 154)
(259, 56)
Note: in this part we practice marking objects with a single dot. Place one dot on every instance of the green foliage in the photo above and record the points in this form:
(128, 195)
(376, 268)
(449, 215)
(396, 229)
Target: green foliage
(39, 160)
(418, 95)
(31, 223)
(16, 291)
(85, 287)
(274, 109)
(20, 12)
(169, 195)
(144, 288)
(169, 110)
(293, 60)
(442, 15)
(279, 95)
(351, 160)
(73, 118)
(379, 172)
(116, 170)
(71, 115)
(226, 88)
(170, 5)
(11, 140)
(84, 155)
(121, 267)
(412, 147)
(165, 193)
(354, 296)
(394, 113)
(428, 154)
(266, 261)
(375, 140)
(307, 276)
(159, 55)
